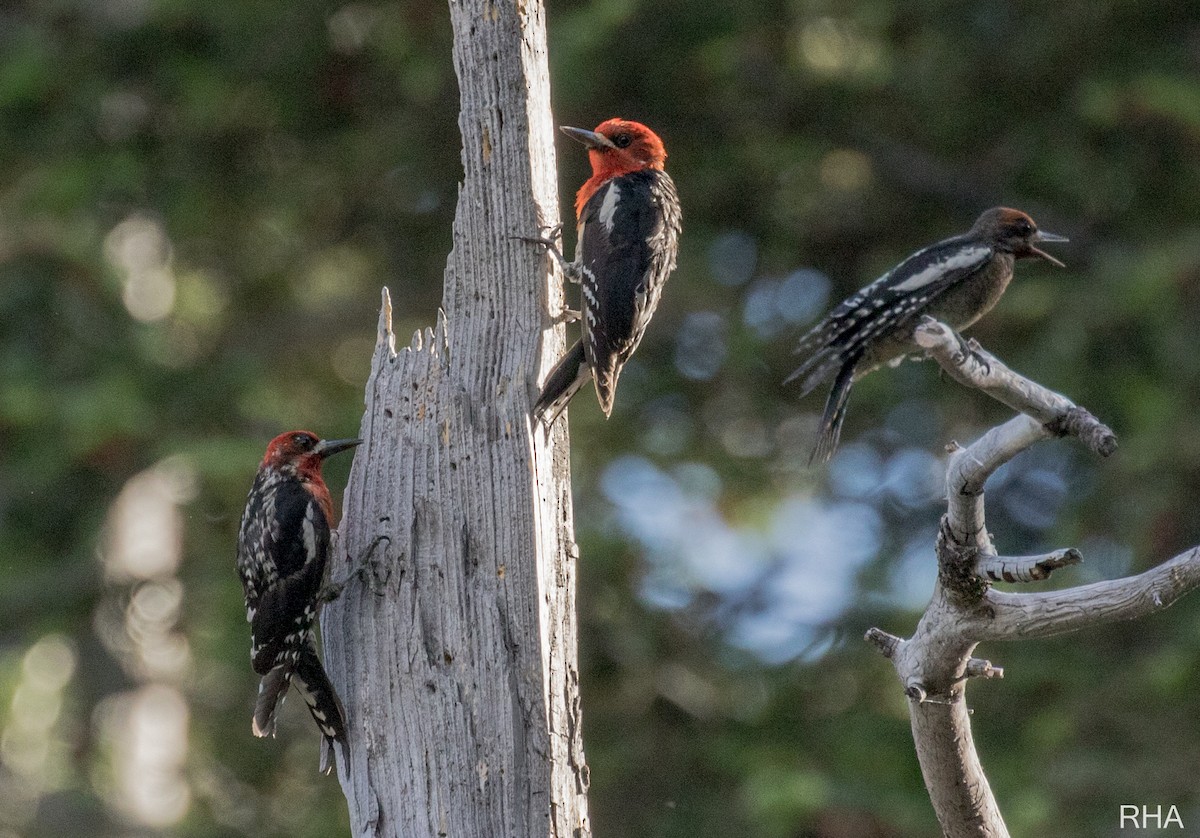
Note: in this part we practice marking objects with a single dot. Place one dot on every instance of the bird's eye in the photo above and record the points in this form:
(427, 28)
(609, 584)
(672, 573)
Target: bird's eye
(622, 140)
(303, 441)
(1024, 228)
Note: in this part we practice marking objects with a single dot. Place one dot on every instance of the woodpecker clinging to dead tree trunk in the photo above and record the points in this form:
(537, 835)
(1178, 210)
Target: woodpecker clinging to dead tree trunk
(628, 223)
(956, 281)
(283, 547)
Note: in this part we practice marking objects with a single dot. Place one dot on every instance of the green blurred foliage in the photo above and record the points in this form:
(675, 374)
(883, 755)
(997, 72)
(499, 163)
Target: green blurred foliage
(200, 201)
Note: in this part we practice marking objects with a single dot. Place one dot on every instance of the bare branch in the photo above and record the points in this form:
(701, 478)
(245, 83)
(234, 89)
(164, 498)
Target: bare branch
(1078, 422)
(1026, 568)
(957, 563)
(1025, 615)
(935, 663)
(959, 789)
(970, 468)
(972, 366)
(885, 643)
(980, 668)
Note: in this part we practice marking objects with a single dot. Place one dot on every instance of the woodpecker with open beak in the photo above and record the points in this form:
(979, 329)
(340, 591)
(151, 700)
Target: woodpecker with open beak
(956, 281)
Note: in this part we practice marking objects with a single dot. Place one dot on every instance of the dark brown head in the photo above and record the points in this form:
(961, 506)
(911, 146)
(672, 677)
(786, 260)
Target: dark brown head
(1012, 231)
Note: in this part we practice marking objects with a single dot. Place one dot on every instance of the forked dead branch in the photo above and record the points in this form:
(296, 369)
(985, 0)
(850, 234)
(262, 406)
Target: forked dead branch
(965, 610)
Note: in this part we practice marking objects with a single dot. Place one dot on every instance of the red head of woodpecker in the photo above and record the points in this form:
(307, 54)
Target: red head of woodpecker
(957, 281)
(616, 148)
(283, 547)
(627, 236)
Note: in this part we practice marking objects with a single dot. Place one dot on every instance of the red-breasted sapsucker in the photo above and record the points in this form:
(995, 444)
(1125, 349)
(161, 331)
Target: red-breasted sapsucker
(956, 281)
(283, 547)
(628, 222)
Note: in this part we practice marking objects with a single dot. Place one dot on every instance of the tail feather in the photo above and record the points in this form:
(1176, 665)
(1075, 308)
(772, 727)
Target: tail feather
(605, 379)
(833, 341)
(324, 705)
(569, 374)
(272, 690)
(815, 370)
(835, 412)
(819, 336)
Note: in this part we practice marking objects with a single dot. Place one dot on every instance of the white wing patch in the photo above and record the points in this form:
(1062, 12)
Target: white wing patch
(608, 209)
(933, 271)
(589, 293)
(310, 534)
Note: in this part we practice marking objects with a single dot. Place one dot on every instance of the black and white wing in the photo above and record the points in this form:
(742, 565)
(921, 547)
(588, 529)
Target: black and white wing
(898, 296)
(628, 240)
(285, 538)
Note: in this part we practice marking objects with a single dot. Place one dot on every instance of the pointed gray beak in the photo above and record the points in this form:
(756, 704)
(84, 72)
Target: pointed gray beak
(589, 138)
(329, 447)
(1049, 238)
(1043, 236)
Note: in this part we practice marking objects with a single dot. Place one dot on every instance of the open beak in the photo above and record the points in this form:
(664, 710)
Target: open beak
(1048, 238)
(329, 447)
(589, 138)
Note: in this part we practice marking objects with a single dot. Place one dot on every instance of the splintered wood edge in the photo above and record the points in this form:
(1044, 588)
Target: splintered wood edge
(384, 335)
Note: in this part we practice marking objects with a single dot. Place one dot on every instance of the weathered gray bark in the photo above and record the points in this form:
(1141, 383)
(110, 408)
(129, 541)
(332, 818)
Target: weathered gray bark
(936, 661)
(457, 665)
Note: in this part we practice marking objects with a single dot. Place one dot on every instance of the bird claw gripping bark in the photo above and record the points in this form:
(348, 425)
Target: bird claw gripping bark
(369, 571)
(366, 569)
(550, 241)
(549, 236)
(970, 348)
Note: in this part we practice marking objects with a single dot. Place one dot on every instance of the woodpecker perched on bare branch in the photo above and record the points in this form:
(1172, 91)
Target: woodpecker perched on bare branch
(627, 237)
(956, 281)
(283, 547)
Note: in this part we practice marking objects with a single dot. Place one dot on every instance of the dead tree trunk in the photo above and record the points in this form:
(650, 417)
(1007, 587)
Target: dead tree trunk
(935, 663)
(457, 666)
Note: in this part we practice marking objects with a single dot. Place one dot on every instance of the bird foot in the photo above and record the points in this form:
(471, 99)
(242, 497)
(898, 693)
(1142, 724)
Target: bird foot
(548, 237)
(568, 315)
(549, 240)
(366, 569)
(330, 592)
(971, 348)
